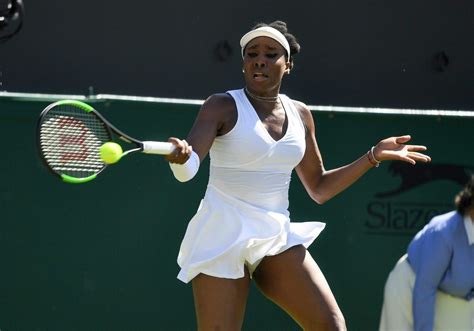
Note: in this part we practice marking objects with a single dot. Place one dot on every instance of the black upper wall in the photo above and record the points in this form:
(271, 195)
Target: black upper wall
(354, 53)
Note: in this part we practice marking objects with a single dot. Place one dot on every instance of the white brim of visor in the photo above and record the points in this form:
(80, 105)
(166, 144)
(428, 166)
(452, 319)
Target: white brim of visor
(265, 31)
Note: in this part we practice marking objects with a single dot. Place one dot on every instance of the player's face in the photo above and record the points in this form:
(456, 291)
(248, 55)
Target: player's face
(264, 65)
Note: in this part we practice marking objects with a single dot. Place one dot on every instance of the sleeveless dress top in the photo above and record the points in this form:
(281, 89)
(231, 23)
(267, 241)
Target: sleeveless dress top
(244, 215)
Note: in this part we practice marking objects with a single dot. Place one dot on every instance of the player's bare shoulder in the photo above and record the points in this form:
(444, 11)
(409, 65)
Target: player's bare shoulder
(305, 113)
(222, 108)
(221, 102)
(302, 108)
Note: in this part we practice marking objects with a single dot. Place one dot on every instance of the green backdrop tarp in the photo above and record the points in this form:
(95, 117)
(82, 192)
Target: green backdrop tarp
(102, 255)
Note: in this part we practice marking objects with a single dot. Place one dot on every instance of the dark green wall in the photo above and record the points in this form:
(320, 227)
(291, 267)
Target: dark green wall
(102, 255)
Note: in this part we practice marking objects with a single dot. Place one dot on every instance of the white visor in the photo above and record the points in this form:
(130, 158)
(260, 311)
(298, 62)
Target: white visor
(265, 31)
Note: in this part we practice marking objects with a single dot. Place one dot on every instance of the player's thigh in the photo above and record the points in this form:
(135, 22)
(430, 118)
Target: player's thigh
(219, 302)
(294, 281)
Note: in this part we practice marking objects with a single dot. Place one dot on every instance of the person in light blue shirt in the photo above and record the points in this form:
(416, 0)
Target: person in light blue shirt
(432, 286)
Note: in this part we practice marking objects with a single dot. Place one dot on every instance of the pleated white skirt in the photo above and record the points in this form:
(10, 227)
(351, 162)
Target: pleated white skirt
(227, 234)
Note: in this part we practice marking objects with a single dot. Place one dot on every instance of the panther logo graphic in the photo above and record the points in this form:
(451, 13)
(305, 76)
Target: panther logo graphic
(422, 173)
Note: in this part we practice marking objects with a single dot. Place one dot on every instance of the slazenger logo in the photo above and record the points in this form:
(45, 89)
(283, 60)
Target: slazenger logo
(393, 217)
(424, 173)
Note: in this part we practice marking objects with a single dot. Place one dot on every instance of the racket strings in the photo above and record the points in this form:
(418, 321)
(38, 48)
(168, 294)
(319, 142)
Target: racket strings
(70, 139)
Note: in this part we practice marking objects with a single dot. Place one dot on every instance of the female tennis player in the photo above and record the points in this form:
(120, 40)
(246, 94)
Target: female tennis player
(256, 137)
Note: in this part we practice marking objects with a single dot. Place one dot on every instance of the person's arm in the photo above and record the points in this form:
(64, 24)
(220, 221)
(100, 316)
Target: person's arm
(216, 116)
(323, 184)
(433, 261)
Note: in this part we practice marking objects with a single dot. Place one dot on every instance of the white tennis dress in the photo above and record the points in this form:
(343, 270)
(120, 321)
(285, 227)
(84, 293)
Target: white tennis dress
(244, 215)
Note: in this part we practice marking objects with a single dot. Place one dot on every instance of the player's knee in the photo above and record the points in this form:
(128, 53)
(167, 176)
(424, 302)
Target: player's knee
(331, 322)
(336, 322)
(219, 326)
(340, 323)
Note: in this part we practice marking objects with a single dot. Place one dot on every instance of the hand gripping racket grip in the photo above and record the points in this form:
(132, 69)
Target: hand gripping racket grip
(157, 147)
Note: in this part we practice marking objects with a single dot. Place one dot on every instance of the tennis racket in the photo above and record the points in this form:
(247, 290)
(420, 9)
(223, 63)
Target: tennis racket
(70, 134)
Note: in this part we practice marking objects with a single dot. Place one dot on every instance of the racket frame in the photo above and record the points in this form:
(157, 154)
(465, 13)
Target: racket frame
(111, 129)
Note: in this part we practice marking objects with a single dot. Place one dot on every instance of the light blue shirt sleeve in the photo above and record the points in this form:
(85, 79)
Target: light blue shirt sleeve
(433, 254)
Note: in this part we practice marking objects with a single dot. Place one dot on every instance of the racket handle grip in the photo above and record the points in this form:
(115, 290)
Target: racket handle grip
(157, 147)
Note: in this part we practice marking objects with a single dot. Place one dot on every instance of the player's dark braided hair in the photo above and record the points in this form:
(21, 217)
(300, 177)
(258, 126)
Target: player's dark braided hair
(281, 26)
(465, 199)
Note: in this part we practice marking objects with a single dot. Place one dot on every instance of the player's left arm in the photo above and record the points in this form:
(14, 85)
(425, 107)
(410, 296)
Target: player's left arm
(322, 184)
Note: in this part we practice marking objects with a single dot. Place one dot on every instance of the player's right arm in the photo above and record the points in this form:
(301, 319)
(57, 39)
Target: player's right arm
(216, 117)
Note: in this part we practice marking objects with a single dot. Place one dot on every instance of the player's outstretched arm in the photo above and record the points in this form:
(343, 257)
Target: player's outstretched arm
(323, 184)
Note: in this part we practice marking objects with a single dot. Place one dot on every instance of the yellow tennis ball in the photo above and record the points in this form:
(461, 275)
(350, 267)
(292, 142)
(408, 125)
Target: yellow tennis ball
(110, 152)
